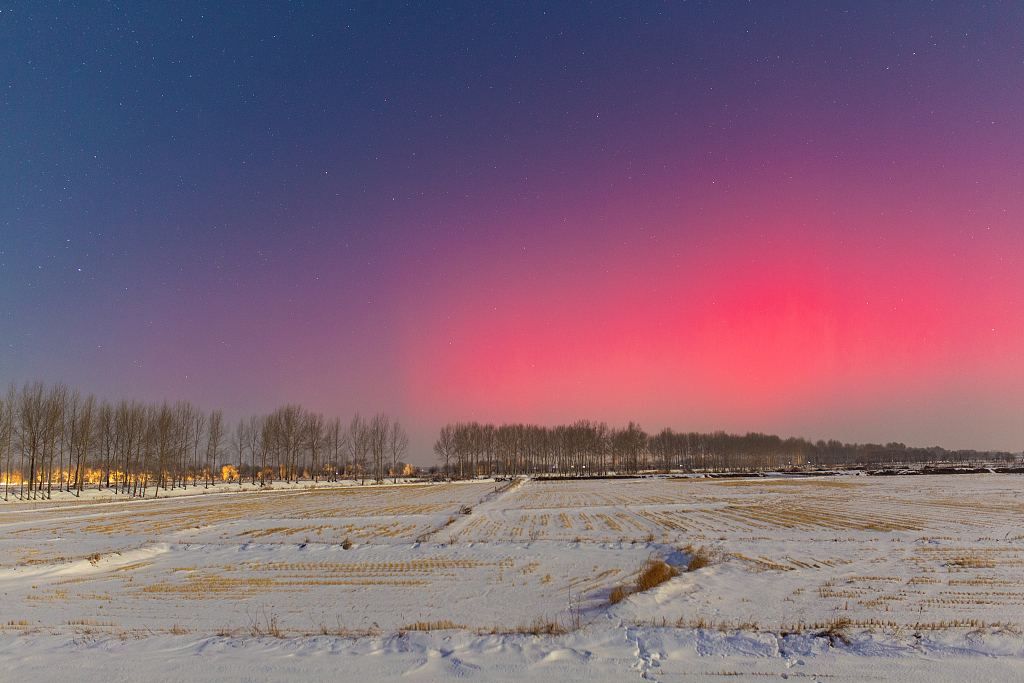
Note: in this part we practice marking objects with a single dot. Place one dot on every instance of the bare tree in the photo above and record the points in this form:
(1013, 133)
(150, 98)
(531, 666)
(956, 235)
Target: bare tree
(239, 442)
(488, 441)
(55, 408)
(290, 439)
(445, 447)
(398, 444)
(198, 431)
(30, 430)
(165, 441)
(84, 427)
(315, 442)
(7, 411)
(336, 448)
(105, 440)
(120, 423)
(256, 442)
(131, 427)
(268, 448)
(380, 425)
(66, 438)
(187, 434)
(149, 449)
(359, 445)
(214, 442)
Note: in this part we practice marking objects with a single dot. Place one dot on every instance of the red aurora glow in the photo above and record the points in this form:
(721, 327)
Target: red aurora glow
(754, 331)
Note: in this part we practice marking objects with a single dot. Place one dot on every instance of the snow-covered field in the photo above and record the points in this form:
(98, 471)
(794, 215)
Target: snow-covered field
(915, 578)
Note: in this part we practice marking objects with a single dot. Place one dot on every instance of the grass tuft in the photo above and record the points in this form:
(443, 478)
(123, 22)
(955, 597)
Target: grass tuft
(837, 629)
(618, 594)
(543, 627)
(654, 573)
(701, 557)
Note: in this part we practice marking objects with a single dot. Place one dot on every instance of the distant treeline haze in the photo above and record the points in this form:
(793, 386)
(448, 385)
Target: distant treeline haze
(590, 449)
(52, 437)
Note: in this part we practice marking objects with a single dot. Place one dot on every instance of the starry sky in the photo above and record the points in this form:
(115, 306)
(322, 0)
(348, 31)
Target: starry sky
(801, 218)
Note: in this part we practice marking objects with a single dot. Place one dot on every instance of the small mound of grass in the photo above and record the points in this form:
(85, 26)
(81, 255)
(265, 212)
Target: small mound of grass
(654, 572)
(701, 557)
(837, 630)
(699, 561)
(618, 594)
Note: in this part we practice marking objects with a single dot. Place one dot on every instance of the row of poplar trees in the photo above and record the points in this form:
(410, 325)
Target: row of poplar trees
(467, 449)
(52, 437)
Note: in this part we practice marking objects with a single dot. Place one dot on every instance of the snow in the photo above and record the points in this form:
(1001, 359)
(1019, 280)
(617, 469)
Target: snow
(918, 578)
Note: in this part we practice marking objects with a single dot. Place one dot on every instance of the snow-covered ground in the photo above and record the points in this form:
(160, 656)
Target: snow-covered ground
(914, 578)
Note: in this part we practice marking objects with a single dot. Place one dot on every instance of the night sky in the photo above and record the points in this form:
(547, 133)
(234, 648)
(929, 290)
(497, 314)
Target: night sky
(801, 218)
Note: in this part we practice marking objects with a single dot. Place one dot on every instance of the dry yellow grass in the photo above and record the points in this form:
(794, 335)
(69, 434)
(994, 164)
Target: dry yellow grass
(444, 625)
(654, 573)
(618, 594)
(703, 556)
(541, 626)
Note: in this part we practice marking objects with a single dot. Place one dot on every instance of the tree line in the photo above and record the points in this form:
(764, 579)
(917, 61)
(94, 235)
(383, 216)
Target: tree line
(468, 449)
(53, 437)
